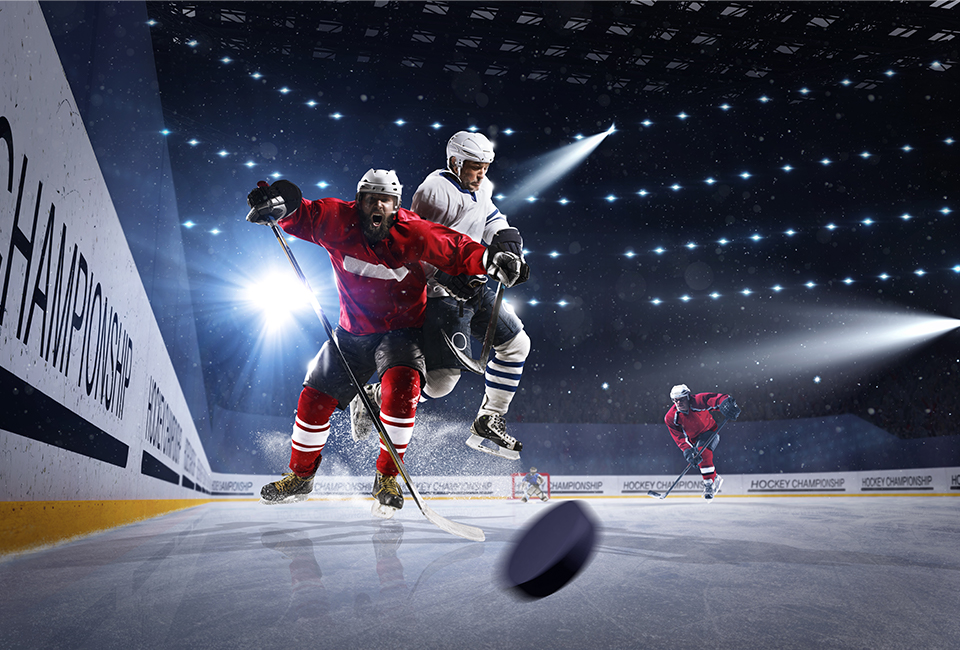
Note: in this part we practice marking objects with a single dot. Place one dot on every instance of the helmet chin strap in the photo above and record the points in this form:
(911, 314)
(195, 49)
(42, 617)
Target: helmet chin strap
(456, 166)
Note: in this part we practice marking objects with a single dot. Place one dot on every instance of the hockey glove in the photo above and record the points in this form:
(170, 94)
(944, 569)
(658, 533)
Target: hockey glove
(271, 202)
(729, 409)
(509, 240)
(505, 267)
(692, 455)
(463, 287)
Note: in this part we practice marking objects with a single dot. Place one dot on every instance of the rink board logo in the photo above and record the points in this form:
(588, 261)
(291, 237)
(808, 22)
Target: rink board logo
(461, 488)
(900, 483)
(642, 486)
(231, 487)
(576, 487)
(342, 487)
(798, 484)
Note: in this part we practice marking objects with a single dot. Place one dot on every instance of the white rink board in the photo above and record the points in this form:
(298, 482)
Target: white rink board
(92, 408)
(938, 481)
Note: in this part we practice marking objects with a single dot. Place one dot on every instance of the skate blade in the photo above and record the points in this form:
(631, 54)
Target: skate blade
(476, 442)
(294, 499)
(381, 511)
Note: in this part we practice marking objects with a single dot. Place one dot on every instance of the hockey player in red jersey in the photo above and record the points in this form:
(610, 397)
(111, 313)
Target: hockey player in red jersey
(691, 421)
(375, 247)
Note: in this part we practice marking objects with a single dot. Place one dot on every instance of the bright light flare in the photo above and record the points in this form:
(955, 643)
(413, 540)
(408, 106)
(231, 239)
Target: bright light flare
(842, 336)
(551, 167)
(840, 346)
(277, 297)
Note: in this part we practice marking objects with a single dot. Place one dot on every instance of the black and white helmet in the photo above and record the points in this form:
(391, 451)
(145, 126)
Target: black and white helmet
(465, 145)
(679, 391)
(380, 181)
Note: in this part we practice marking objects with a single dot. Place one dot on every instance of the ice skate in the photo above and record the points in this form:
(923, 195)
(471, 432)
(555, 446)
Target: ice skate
(388, 495)
(289, 489)
(494, 429)
(360, 423)
(711, 488)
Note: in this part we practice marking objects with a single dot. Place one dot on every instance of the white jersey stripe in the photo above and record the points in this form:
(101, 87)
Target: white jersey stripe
(368, 270)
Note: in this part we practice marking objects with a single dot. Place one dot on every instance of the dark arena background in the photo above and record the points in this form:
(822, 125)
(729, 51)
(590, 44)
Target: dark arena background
(753, 198)
(779, 174)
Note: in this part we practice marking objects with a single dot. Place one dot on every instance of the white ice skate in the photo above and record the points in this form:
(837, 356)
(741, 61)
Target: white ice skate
(493, 430)
(361, 426)
(712, 487)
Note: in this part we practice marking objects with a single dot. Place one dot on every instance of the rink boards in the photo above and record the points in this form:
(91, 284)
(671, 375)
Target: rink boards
(941, 481)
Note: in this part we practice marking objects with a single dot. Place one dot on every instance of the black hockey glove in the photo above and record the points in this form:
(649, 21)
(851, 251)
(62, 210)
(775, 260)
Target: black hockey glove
(272, 202)
(509, 240)
(505, 267)
(729, 408)
(463, 287)
(692, 455)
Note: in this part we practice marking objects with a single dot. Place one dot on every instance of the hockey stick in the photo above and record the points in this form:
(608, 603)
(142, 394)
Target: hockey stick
(479, 366)
(657, 495)
(461, 530)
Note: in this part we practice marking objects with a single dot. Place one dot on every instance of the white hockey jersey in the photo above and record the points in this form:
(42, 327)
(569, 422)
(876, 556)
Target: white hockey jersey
(441, 199)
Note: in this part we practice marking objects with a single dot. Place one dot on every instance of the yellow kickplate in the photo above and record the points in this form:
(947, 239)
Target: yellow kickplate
(26, 525)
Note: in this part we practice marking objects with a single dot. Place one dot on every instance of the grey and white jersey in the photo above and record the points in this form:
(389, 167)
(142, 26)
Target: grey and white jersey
(441, 199)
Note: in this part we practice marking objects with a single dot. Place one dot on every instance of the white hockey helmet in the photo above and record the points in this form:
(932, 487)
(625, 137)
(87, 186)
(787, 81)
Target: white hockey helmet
(678, 391)
(380, 181)
(465, 145)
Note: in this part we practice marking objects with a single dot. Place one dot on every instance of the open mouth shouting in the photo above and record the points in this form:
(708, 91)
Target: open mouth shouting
(377, 212)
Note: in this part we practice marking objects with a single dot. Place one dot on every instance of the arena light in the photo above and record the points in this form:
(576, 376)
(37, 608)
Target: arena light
(839, 346)
(553, 166)
(276, 299)
(867, 336)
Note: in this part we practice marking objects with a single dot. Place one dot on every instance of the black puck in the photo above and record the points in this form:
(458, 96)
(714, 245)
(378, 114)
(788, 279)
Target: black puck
(551, 551)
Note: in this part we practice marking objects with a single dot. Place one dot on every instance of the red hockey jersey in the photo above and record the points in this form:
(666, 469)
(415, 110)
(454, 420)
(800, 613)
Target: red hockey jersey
(685, 427)
(382, 286)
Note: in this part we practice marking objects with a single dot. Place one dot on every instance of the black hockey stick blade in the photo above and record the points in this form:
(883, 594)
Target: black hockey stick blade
(655, 494)
(478, 366)
(473, 365)
(461, 530)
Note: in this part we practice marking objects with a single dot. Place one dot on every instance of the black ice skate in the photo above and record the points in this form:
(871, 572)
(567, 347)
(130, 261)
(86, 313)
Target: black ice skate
(494, 429)
(389, 497)
(712, 487)
(360, 423)
(290, 489)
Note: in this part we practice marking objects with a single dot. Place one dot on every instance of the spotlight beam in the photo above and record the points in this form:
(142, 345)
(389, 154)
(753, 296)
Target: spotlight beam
(838, 344)
(549, 168)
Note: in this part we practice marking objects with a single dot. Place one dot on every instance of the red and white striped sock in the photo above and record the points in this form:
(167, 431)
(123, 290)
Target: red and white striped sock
(311, 430)
(400, 389)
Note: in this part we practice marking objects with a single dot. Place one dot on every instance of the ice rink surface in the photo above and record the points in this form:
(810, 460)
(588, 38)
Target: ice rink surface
(775, 572)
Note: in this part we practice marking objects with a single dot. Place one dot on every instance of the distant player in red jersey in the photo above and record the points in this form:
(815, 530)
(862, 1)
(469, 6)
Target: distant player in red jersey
(691, 421)
(376, 248)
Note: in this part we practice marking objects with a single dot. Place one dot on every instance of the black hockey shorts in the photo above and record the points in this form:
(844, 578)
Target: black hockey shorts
(444, 314)
(366, 354)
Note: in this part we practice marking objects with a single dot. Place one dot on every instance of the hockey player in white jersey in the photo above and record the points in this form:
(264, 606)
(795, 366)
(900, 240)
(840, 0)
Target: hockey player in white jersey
(533, 486)
(460, 197)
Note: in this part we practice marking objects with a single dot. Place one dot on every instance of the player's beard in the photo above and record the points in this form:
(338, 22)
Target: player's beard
(376, 227)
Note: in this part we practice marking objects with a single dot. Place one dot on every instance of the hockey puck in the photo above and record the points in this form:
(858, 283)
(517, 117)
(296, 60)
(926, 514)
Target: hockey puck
(551, 551)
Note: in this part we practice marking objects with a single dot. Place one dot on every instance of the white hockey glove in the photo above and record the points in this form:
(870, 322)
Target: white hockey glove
(505, 267)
